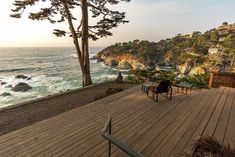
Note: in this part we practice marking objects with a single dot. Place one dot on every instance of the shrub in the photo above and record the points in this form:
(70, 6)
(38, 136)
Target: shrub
(140, 76)
(198, 81)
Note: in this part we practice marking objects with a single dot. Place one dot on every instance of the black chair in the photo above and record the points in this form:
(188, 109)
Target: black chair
(163, 87)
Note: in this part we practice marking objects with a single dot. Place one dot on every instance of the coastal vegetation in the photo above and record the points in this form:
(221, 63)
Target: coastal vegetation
(65, 11)
(190, 56)
(140, 76)
(200, 47)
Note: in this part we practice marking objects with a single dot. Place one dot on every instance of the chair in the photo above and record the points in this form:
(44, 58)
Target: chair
(163, 87)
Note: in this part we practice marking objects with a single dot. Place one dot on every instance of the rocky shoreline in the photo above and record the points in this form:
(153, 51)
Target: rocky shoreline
(127, 62)
(19, 87)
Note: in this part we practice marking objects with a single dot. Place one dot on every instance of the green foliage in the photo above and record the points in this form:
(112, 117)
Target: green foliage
(229, 41)
(165, 75)
(198, 81)
(229, 50)
(141, 76)
(55, 12)
(214, 36)
(176, 49)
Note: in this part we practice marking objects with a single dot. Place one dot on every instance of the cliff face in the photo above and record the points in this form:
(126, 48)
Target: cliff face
(124, 61)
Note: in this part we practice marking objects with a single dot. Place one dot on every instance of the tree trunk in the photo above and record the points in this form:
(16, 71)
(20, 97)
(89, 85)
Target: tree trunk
(83, 58)
(84, 44)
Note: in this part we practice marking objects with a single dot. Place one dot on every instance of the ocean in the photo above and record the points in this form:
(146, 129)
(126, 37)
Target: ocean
(51, 70)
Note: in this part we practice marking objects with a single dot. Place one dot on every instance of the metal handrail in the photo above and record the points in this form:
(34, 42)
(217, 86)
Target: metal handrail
(106, 133)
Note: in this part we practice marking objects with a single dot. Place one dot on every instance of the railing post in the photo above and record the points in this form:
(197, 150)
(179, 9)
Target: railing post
(107, 134)
(110, 132)
(210, 80)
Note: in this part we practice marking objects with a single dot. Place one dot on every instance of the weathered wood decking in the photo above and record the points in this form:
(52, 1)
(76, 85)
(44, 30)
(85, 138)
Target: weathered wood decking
(164, 128)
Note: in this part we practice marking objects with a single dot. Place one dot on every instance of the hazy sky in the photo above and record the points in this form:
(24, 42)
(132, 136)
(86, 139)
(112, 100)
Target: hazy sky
(151, 20)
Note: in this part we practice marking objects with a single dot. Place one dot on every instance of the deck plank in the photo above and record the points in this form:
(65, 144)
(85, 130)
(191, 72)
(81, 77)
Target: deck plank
(68, 135)
(214, 119)
(148, 122)
(178, 148)
(229, 135)
(163, 128)
(146, 136)
(176, 134)
(198, 132)
(178, 124)
(221, 127)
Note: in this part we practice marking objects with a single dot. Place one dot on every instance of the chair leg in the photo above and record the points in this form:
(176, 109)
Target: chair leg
(157, 97)
(171, 94)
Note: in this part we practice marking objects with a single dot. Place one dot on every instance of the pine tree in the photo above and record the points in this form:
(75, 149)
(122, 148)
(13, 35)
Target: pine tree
(61, 11)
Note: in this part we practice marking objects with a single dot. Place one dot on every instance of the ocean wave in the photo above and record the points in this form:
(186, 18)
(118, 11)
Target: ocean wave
(74, 55)
(50, 71)
(91, 55)
(41, 86)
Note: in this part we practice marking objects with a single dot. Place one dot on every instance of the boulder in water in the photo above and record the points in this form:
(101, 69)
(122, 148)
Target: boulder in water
(5, 94)
(21, 87)
(21, 77)
(3, 82)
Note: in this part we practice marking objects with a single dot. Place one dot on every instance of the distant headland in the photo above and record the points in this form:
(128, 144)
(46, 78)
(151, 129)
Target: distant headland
(212, 48)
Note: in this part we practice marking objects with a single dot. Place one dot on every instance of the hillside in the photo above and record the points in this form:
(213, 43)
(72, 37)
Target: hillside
(213, 47)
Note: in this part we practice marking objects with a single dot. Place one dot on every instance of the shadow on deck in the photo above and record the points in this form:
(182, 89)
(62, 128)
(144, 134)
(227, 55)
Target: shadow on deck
(164, 128)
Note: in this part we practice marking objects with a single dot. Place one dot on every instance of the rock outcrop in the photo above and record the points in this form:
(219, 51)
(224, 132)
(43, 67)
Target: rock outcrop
(123, 64)
(112, 62)
(21, 87)
(126, 61)
(196, 71)
(5, 94)
(3, 82)
(21, 77)
(138, 65)
(186, 67)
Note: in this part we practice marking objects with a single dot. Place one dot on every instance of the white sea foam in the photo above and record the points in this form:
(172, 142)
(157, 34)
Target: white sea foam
(74, 55)
(41, 86)
(91, 55)
(51, 71)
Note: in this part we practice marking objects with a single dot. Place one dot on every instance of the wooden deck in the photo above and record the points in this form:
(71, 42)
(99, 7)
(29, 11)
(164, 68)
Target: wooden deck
(164, 128)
